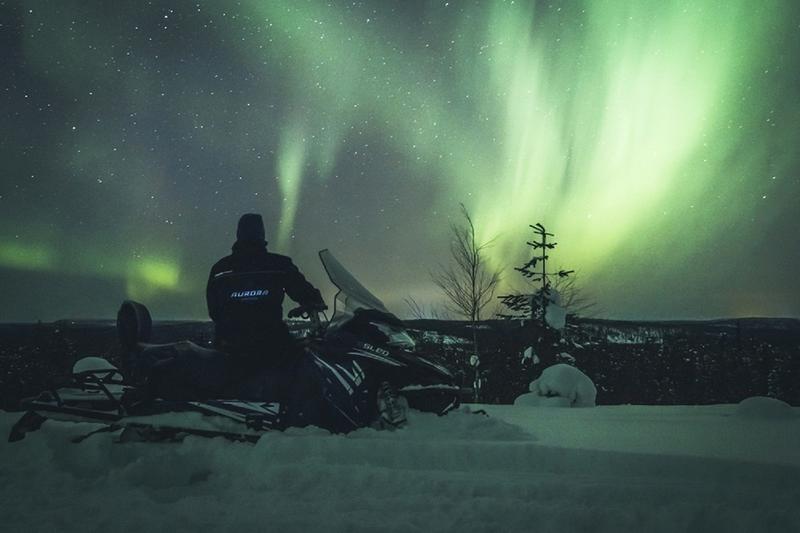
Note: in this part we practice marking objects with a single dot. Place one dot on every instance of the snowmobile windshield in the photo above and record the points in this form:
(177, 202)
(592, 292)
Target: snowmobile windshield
(353, 296)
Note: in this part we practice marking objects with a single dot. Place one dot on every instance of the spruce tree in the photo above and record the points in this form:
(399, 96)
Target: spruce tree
(534, 305)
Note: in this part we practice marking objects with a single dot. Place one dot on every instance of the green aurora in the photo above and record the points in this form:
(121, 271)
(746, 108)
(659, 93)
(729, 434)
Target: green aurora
(656, 139)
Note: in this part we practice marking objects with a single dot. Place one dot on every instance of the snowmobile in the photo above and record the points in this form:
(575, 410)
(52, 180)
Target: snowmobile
(356, 370)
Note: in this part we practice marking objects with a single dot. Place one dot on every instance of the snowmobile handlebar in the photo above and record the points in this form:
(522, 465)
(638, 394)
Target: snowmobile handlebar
(307, 312)
(311, 313)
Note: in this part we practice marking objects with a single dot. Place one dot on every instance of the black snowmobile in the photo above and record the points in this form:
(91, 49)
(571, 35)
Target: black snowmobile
(356, 370)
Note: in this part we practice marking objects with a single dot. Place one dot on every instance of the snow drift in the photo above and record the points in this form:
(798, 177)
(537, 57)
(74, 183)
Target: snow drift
(608, 469)
(764, 407)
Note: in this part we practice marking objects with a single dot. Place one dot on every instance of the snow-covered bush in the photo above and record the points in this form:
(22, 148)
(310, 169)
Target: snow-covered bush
(764, 407)
(555, 315)
(560, 385)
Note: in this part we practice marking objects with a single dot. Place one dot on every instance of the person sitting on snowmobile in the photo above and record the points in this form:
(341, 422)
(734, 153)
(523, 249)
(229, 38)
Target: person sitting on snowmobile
(245, 293)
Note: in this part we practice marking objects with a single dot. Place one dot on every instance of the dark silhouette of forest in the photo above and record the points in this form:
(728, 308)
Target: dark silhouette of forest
(657, 363)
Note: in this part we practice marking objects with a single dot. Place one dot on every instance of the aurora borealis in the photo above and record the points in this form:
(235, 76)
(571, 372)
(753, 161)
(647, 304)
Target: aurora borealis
(658, 140)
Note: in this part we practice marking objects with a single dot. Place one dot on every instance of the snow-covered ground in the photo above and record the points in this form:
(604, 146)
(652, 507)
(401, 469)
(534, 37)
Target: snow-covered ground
(621, 468)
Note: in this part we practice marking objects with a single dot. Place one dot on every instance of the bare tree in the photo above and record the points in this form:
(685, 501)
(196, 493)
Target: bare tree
(573, 298)
(415, 308)
(467, 282)
(421, 312)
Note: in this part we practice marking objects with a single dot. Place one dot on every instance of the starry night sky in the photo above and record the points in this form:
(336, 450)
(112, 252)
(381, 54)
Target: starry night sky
(658, 140)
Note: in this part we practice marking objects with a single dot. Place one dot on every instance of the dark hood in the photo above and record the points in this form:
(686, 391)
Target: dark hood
(250, 235)
(250, 229)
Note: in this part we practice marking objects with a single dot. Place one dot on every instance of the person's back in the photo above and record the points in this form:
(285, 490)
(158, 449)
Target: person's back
(245, 293)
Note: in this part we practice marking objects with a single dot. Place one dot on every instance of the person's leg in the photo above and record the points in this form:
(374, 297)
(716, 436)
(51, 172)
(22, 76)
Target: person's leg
(183, 371)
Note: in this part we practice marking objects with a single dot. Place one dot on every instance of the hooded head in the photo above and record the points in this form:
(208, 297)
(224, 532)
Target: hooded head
(250, 230)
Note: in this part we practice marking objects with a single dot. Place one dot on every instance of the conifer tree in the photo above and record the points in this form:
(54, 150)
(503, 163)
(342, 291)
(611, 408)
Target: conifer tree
(534, 305)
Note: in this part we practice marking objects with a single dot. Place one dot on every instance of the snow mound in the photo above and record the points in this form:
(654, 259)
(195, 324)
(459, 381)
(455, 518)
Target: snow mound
(532, 399)
(560, 385)
(764, 407)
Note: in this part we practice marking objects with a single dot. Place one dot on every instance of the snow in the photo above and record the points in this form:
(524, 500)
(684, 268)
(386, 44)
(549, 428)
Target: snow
(534, 399)
(764, 407)
(531, 355)
(610, 468)
(560, 385)
(566, 358)
(92, 364)
(447, 340)
(555, 315)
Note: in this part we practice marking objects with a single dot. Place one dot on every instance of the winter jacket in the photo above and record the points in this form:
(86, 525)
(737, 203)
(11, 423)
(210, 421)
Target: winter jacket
(245, 293)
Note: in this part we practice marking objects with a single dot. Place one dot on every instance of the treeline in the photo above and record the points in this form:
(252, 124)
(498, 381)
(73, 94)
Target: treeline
(677, 366)
(683, 364)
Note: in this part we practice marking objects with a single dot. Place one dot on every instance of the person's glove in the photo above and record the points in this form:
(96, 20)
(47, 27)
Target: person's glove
(303, 311)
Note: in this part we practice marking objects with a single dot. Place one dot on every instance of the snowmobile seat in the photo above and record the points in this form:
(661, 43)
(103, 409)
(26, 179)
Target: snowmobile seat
(134, 325)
